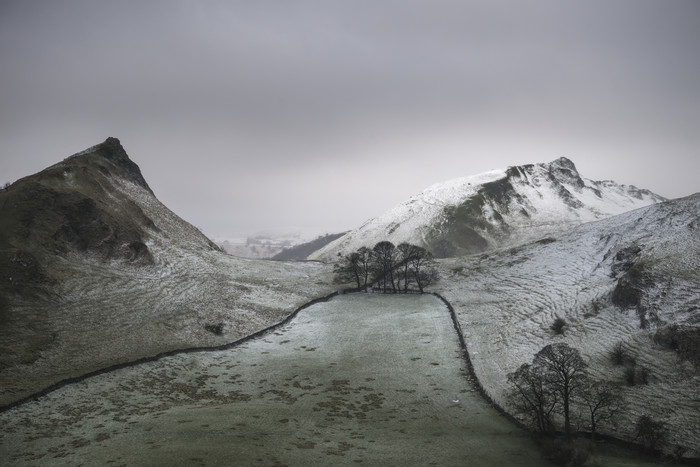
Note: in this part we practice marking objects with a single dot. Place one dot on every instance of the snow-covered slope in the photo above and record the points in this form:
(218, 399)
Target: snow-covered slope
(95, 271)
(494, 209)
(633, 278)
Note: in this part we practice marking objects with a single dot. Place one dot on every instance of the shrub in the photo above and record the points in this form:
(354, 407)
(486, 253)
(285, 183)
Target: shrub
(217, 329)
(618, 354)
(667, 337)
(579, 453)
(635, 374)
(651, 433)
(643, 375)
(631, 374)
(684, 341)
(558, 325)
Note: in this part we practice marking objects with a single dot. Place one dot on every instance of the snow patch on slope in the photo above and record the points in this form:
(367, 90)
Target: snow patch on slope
(507, 300)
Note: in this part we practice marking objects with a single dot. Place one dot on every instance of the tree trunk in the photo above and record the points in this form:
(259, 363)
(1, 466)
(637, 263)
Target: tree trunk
(567, 420)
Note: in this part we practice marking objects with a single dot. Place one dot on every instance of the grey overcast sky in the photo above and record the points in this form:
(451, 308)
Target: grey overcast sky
(316, 115)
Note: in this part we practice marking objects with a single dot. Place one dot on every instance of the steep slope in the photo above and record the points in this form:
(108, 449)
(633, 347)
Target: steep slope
(301, 251)
(494, 209)
(94, 271)
(633, 278)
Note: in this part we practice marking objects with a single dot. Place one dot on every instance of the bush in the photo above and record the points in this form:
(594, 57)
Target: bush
(651, 433)
(618, 354)
(643, 375)
(684, 341)
(635, 374)
(558, 325)
(631, 375)
(579, 453)
(217, 329)
(668, 337)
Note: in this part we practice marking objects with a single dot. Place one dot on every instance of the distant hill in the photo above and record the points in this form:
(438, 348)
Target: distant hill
(494, 209)
(300, 252)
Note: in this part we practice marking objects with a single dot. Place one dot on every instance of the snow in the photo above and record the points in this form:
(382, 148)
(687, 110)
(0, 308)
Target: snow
(105, 313)
(535, 192)
(507, 300)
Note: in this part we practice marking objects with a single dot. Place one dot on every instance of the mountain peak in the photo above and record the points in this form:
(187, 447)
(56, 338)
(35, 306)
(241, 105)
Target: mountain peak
(563, 162)
(112, 150)
(495, 209)
(564, 171)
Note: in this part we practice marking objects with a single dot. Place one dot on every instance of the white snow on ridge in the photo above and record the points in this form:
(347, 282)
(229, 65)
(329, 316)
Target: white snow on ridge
(520, 204)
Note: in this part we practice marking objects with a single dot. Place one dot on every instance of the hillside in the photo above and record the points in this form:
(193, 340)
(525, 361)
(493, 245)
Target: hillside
(94, 271)
(633, 278)
(495, 209)
(303, 250)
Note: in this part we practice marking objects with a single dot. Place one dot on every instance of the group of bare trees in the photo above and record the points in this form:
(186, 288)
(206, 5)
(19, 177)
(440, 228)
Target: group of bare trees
(388, 268)
(556, 379)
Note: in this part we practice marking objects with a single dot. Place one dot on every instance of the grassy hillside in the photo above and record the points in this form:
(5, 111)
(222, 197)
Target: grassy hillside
(632, 279)
(94, 271)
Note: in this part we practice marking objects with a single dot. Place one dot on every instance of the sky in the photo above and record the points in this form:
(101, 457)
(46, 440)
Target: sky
(314, 116)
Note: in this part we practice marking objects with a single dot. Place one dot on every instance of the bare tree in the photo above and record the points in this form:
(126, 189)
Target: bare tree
(384, 254)
(349, 269)
(387, 266)
(532, 396)
(603, 402)
(565, 372)
(406, 254)
(364, 265)
(422, 267)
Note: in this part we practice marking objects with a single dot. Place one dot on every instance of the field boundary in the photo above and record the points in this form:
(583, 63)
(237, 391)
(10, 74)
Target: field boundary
(118, 366)
(470, 366)
(482, 391)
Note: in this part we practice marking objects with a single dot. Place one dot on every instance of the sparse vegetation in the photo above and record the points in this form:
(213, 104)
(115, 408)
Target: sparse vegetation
(653, 434)
(619, 355)
(636, 374)
(558, 325)
(684, 341)
(576, 453)
(216, 329)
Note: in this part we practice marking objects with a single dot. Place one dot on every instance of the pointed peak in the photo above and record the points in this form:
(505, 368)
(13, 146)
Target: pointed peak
(112, 150)
(564, 163)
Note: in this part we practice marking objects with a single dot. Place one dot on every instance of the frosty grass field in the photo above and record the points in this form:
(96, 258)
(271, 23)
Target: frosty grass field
(360, 379)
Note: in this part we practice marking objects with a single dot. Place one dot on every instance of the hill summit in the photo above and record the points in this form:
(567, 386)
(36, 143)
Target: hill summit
(495, 209)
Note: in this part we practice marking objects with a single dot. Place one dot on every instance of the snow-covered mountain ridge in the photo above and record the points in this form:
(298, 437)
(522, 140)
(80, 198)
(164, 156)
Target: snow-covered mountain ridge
(494, 209)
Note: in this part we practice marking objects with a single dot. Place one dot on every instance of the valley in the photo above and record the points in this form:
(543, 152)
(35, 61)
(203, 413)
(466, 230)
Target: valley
(97, 273)
(361, 379)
